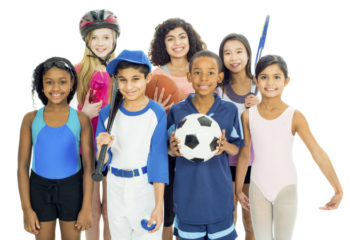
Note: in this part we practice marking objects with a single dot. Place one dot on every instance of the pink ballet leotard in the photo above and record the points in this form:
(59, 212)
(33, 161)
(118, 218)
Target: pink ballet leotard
(273, 168)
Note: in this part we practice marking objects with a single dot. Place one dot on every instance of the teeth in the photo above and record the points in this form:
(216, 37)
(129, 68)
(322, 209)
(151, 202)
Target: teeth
(178, 49)
(203, 87)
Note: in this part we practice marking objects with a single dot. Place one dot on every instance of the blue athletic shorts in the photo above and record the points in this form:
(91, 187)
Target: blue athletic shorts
(223, 230)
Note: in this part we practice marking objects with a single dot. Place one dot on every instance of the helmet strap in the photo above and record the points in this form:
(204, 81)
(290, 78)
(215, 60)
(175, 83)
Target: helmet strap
(102, 61)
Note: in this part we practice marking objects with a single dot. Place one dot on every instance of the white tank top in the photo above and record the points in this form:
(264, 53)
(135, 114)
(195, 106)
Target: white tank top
(273, 168)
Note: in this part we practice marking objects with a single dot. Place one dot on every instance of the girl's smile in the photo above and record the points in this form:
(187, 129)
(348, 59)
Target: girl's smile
(102, 41)
(177, 42)
(57, 85)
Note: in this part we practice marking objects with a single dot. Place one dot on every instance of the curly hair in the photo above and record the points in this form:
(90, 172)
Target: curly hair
(158, 54)
(42, 68)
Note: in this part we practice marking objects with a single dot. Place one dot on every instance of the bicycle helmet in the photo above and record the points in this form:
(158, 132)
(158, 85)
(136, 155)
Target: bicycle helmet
(95, 19)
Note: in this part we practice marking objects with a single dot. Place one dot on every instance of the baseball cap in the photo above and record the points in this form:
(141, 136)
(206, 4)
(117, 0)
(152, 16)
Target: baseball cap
(136, 56)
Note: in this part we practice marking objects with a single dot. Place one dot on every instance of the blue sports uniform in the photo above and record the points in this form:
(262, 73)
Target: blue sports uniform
(203, 191)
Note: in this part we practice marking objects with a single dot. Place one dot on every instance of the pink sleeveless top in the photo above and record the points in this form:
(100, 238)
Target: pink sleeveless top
(182, 83)
(273, 168)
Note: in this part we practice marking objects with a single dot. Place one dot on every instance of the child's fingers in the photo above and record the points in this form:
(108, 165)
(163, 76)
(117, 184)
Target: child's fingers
(220, 149)
(37, 224)
(161, 95)
(174, 145)
(31, 224)
(165, 102)
(244, 201)
(155, 95)
(156, 228)
(31, 229)
(223, 132)
(154, 220)
(333, 203)
(223, 137)
(168, 107)
(329, 206)
(77, 225)
(221, 143)
(104, 138)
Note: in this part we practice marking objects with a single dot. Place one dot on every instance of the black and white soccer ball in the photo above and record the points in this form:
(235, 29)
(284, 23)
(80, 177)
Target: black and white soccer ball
(198, 135)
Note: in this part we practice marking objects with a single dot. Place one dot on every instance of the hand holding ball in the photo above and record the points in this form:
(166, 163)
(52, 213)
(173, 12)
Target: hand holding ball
(198, 135)
(144, 223)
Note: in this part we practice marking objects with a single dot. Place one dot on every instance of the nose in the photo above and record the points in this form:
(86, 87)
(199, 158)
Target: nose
(129, 85)
(269, 81)
(99, 41)
(204, 77)
(177, 41)
(56, 86)
(233, 57)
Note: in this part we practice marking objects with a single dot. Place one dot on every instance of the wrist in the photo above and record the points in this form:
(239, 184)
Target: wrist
(26, 209)
(338, 192)
(85, 207)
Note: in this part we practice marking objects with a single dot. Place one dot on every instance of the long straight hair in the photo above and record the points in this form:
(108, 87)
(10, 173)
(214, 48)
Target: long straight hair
(86, 69)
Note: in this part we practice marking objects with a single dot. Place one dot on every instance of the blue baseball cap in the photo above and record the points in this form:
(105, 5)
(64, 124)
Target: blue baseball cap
(136, 56)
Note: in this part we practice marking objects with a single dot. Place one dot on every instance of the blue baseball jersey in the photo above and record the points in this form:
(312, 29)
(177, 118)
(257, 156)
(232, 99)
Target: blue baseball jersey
(140, 140)
(56, 149)
(203, 191)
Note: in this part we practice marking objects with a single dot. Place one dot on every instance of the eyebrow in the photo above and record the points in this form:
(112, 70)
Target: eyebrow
(197, 68)
(239, 48)
(138, 75)
(170, 35)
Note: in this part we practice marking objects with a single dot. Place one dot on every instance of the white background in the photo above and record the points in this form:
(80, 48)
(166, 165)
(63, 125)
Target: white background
(312, 36)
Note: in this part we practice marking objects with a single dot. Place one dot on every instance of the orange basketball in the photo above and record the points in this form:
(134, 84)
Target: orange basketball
(163, 81)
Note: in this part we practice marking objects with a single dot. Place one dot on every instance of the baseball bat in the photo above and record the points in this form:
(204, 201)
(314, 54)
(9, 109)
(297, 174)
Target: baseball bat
(97, 174)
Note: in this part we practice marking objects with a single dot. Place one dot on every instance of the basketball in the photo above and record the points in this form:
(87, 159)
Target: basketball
(163, 81)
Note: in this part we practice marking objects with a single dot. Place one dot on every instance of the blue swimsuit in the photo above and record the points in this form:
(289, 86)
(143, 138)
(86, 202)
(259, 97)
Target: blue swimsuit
(56, 149)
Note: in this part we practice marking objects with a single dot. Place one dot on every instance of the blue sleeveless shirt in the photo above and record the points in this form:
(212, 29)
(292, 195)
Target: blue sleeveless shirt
(56, 149)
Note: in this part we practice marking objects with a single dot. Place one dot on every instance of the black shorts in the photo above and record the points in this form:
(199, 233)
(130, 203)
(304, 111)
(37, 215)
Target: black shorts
(56, 198)
(247, 176)
(169, 214)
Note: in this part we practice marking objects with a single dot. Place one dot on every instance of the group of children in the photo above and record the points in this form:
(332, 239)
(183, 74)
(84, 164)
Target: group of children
(146, 174)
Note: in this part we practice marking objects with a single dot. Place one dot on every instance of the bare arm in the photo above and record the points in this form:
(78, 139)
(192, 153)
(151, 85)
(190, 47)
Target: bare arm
(31, 222)
(321, 158)
(243, 162)
(84, 220)
(157, 213)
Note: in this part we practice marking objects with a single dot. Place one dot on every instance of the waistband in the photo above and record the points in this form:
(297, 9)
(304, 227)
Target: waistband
(128, 173)
(35, 177)
(53, 187)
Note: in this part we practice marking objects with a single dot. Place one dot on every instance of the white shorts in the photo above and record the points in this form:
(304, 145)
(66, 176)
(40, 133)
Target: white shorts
(129, 200)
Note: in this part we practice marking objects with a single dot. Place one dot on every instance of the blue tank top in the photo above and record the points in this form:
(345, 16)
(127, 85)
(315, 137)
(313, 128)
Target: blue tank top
(56, 149)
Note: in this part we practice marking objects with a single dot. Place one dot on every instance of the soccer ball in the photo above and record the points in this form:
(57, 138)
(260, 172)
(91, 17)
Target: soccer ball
(198, 135)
